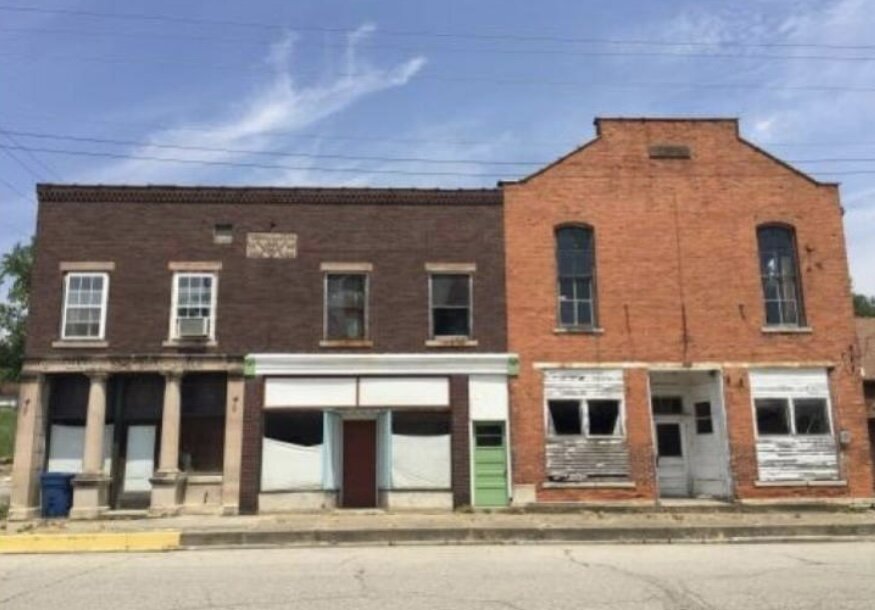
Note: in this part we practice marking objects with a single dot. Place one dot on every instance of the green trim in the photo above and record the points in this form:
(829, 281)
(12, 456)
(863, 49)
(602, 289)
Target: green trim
(513, 366)
(249, 367)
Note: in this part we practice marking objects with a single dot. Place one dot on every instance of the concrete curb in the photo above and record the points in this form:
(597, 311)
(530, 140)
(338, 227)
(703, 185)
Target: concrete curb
(101, 542)
(517, 535)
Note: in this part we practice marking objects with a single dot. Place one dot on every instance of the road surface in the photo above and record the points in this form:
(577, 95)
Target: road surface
(676, 577)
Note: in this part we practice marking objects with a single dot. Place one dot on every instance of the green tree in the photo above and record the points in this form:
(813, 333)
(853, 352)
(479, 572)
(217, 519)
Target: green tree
(864, 307)
(15, 270)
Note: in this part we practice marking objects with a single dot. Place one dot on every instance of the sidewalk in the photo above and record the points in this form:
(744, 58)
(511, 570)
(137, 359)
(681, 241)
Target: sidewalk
(381, 528)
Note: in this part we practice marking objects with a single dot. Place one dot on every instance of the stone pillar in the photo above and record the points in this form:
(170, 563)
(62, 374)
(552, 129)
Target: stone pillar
(233, 446)
(91, 486)
(167, 483)
(29, 448)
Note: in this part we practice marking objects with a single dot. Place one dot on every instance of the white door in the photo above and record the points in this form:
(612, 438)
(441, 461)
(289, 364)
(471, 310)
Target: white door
(671, 458)
(139, 458)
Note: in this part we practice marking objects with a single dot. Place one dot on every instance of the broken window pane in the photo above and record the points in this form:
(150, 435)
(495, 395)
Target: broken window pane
(811, 416)
(604, 417)
(565, 417)
(772, 416)
(668, 440)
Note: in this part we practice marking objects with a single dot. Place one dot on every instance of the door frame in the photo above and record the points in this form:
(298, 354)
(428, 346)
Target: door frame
(682, 422)
(472, 447)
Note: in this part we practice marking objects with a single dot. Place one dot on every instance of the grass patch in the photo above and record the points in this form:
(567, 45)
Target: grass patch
(7, 432)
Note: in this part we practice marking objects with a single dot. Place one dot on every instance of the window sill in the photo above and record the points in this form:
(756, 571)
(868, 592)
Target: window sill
(589, 485)
(452, 343)
(80, 344)
(189, 343)
(346, 343)
(787, 330)
(835, 483)
(578, 330)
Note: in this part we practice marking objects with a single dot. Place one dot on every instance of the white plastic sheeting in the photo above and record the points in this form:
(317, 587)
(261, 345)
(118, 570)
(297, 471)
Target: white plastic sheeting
(286, 466)
(420, 462)
(67, 446)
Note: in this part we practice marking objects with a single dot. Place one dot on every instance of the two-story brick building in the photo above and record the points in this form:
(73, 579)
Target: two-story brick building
(206, 349)
(680, 304)
(678, 299)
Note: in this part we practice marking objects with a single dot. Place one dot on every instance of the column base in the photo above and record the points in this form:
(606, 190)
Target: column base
(167, 486)
(23, 513)
(90, 496)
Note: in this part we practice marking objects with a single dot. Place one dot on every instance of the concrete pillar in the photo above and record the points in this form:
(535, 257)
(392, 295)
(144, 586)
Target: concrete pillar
(91, 486)
(29, 448)
(233, 457)
(167, 483)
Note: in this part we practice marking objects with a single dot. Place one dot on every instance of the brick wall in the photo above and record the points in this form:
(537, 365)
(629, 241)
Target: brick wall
(250, 469)
(678, 277)
(461, 441)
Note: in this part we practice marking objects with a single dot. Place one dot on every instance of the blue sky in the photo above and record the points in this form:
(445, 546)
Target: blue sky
(462, 92)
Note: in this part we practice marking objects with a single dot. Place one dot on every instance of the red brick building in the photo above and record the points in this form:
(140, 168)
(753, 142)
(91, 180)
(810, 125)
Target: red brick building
(679, 302)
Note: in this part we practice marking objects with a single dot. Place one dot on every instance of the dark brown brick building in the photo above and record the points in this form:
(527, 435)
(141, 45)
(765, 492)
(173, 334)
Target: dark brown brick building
(369, 324)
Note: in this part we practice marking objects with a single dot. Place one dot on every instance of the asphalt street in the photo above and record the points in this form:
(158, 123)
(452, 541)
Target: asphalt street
(836, 576)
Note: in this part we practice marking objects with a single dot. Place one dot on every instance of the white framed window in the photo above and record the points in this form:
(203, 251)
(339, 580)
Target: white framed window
(450, 305)
(85, 299)
(792, 416)
(591, 418)
(193, 310)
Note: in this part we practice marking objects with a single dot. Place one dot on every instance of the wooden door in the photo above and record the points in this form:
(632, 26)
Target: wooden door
(490, 464)
(359, 464)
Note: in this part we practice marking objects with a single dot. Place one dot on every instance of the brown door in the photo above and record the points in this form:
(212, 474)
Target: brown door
(359, 464)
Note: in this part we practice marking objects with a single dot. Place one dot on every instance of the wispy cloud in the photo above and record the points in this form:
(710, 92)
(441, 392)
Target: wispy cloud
(284, 104)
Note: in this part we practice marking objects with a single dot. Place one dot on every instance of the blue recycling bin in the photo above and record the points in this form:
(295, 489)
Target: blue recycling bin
(57, 493)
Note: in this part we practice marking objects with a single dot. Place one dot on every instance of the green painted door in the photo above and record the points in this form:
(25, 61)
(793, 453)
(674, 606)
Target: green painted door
(490, 464)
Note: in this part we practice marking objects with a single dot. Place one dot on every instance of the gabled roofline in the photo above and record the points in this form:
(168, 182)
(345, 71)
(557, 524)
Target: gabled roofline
(735, 121)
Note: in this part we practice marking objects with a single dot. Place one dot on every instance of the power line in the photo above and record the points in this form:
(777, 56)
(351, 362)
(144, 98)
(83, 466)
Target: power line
(481, 79)
(507, 36)
(37, 160)
(460, 161)
(15, 190)
(31, 134)
(359, 169)
(466, 51)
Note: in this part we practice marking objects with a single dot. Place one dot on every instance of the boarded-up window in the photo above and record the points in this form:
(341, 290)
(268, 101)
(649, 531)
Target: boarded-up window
(291, 453)
(421, 450)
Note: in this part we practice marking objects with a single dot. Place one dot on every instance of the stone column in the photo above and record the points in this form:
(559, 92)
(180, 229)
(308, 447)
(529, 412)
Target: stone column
(91, 486)
(167, 483)
(29, 448)
(233, 446)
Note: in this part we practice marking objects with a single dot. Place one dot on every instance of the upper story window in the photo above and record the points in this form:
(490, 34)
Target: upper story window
(346, 306)
(194, 306)
(450, 307)
(779, 268)
(575, 262)
(85, 296)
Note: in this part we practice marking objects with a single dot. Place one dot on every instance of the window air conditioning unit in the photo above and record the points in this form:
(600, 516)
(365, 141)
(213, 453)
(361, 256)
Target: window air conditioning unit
(193, 328)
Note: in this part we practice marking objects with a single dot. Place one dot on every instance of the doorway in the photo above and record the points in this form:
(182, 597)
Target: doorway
(490, 464)
(359, 488)
(690, 440)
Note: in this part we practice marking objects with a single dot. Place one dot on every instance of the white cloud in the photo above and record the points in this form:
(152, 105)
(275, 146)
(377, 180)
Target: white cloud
(281, 105)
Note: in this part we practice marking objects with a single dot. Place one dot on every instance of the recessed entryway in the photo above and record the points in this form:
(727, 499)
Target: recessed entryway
(689, 433)
(359, 464)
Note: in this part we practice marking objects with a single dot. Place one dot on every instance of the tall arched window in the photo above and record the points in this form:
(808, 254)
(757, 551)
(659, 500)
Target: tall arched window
(779, 268)
(575, 262)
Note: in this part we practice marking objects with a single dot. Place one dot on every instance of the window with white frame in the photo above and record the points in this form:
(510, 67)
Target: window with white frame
(450, 307)
(85, 297)
(194, 306)
(792, 416)
(592, 418)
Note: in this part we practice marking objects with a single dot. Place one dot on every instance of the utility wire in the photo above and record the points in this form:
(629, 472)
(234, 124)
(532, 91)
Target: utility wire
(466, 51)
(461, 161)
(478, 79)
(37, 160)
(362, 170)
(506, 36)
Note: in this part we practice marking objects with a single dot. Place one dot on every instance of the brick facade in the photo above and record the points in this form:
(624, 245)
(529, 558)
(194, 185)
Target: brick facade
(678, 282)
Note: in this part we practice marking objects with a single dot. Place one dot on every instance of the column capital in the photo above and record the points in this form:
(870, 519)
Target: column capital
(98, 376)
(173, 375)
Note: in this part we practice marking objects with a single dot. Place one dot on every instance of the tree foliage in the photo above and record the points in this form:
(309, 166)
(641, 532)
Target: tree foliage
(15, 273)
(864, 307)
